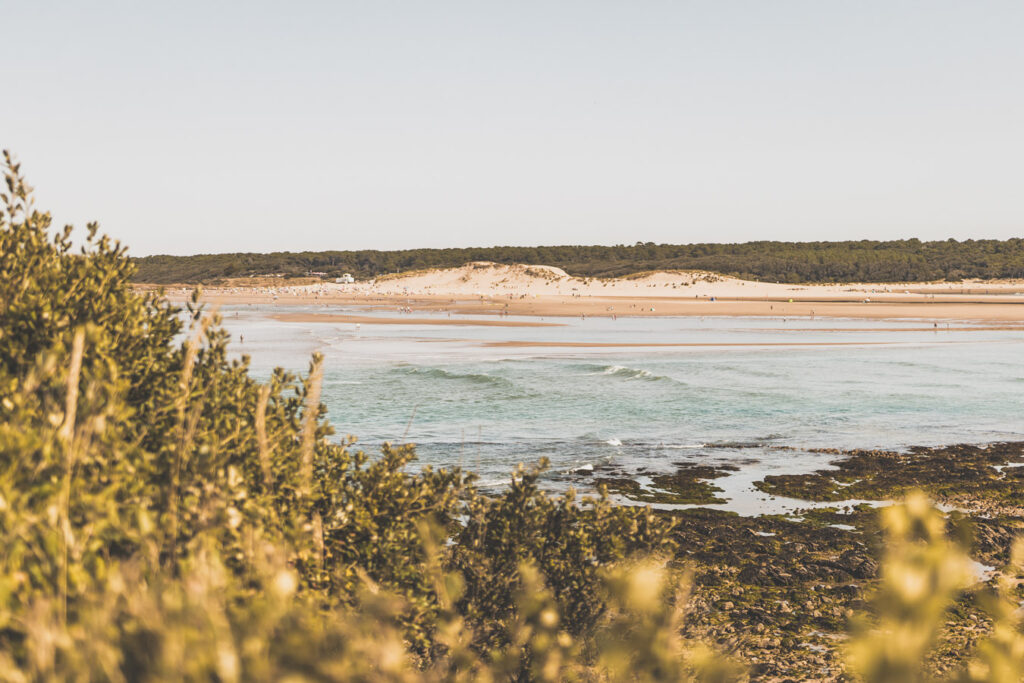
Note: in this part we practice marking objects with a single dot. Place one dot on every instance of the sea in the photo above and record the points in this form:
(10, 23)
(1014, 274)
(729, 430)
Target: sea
(766, 395)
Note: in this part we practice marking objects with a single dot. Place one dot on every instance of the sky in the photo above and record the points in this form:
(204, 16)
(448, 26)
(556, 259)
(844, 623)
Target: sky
(198, 127)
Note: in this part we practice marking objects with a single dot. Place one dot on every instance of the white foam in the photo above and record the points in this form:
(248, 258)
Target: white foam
(628, 373)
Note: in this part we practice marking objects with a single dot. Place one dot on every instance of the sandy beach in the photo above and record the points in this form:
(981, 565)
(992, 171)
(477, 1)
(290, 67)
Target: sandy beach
(541, 291)
(374, 320)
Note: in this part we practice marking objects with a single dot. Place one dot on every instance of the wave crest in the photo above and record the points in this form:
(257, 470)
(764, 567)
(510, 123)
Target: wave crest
(628, 373)
(471, 377)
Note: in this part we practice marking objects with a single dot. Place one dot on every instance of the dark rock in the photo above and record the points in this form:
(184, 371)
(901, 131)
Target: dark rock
(858, 565)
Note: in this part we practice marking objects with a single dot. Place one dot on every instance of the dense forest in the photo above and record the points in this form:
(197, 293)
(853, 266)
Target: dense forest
(859, 261)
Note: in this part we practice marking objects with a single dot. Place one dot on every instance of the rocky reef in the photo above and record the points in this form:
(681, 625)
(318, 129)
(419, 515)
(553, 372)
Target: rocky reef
(778, 592)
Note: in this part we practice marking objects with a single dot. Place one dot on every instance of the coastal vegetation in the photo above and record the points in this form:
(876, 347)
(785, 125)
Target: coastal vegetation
(908, 260)
(164, 516)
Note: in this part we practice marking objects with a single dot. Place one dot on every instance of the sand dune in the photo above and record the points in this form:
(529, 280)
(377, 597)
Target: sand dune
(536, 290)
(489, 279)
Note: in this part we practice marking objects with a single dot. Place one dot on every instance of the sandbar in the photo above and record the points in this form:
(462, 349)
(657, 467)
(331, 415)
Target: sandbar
(615, 345)
(373, 320)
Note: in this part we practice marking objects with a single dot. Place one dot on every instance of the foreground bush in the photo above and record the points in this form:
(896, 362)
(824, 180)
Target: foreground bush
(163, 516)
(922, 573)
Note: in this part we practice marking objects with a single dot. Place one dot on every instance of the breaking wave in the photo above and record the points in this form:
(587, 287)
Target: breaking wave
(628, 373)
(469, 377)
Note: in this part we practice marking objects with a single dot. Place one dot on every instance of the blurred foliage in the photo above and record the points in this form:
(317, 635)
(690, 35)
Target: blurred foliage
(923, 572)
(853, 261)
(163, 516)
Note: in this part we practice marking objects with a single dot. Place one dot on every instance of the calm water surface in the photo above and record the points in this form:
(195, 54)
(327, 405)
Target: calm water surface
(487, 408)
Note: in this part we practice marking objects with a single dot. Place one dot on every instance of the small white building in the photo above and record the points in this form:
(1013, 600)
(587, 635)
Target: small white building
(345, 279)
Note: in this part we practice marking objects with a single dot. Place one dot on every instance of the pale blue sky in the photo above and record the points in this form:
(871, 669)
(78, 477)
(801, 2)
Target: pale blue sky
(188, 127)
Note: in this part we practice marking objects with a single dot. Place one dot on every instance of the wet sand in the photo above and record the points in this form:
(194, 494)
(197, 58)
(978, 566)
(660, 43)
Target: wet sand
(984, 311)
(613, 345)
(371, 320)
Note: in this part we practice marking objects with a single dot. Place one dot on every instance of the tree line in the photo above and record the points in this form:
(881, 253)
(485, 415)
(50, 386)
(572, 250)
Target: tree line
(807, 262)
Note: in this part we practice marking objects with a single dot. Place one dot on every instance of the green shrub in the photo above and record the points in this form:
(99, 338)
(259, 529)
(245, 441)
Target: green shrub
(141, 477)
(163, 516)
(569, 542)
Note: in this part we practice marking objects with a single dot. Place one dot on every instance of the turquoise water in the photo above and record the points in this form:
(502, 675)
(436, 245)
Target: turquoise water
(863, 384)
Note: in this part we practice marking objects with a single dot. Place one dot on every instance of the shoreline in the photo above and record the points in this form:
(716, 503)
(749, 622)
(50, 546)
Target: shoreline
(484, 288)
(372, 320)
(613, 345)
(983, 311)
